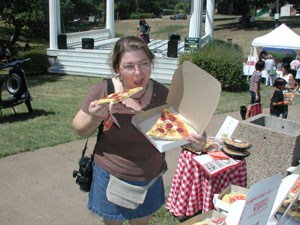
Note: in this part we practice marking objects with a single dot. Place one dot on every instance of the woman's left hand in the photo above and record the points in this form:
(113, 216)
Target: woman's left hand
(198, 141)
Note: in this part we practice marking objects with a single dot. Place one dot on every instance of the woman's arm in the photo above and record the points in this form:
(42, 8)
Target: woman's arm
(85, 124)
(292, 80)
(256, 91)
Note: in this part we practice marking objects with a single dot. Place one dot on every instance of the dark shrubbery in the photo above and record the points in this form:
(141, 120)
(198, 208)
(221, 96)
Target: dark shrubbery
(141, 15)
(223, 61)
(39, 61)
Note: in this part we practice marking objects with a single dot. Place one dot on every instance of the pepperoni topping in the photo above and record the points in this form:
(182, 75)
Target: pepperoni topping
(172, 118)
(161, 130)
(180, 130)
(162, 117)
(169, 125)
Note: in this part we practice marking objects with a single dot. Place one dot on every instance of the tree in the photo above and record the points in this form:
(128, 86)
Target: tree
(21, 13)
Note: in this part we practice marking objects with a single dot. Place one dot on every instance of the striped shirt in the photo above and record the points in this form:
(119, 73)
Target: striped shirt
(255, 78)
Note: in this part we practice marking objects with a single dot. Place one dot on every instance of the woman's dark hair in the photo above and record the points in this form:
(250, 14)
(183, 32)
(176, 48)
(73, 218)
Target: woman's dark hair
(260, 65)
(128, 44)
(279, 82)
(286, 66)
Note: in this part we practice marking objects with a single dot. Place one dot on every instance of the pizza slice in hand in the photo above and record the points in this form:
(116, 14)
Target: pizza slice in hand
(169, 126)
(120, 96)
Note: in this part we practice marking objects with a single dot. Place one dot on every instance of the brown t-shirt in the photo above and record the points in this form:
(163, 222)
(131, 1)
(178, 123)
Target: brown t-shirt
(125, 152)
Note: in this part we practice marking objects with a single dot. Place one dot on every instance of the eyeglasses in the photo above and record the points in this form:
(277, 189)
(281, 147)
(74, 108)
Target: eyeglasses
(131, 68)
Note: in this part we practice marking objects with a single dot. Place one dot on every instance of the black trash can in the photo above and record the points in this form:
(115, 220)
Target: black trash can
(87, 43)
(174, 37)
(172, 49)
(173, 45)
(62, 41)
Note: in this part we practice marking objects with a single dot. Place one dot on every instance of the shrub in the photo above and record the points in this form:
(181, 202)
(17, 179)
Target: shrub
(141, 15)
(39, 61)
(223, 61)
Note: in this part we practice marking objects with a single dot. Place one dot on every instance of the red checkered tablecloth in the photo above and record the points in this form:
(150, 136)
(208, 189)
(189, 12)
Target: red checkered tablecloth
(193, 189)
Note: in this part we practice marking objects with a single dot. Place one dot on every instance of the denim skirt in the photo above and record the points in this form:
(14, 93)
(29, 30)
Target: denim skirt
(99, 204)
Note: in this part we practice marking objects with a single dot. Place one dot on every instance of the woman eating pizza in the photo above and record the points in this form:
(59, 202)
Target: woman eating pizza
(123, 157)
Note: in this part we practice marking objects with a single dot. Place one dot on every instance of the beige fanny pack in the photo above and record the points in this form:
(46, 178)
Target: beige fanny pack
(127, 195)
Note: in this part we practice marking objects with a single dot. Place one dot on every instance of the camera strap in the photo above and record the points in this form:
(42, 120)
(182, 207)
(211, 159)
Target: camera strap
(110, 90)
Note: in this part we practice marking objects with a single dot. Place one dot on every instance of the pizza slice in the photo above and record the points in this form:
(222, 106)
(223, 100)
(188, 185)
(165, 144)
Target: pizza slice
(233, 197)
(120, 96)
(205, 222)
(169, 126)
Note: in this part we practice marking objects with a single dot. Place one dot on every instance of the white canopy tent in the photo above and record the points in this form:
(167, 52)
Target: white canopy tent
(281, 38)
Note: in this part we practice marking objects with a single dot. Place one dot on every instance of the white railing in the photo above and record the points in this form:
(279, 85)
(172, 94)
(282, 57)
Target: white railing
(74, 39)
(205, 40)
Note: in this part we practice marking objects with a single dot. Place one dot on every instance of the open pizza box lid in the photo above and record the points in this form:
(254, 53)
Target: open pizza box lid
(212, 214)
(193, 94)
(256, 209)
(223, 206)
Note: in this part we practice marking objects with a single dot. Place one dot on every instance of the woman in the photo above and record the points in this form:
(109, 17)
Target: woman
(290, 83)
(124, 152)
(144, 30)
(255, 82)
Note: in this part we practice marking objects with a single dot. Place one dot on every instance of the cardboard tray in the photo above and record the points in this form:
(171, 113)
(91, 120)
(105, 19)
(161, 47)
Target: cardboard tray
(223, 206)
(212, 214)
(194, 94)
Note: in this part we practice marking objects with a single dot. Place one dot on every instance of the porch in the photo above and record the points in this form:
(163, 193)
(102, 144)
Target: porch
(93, 62)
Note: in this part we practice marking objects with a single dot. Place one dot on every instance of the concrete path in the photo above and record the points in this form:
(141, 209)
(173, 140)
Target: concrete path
(37, 188)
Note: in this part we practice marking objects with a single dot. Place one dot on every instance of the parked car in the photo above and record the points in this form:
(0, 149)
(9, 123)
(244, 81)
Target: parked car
(178, 17)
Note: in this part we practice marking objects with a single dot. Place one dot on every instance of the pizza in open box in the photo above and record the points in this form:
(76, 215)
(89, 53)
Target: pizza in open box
(120, 96)
(233, 197)
(169, 126)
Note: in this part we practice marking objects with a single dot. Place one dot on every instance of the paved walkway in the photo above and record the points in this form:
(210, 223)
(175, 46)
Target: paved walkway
(37, 188)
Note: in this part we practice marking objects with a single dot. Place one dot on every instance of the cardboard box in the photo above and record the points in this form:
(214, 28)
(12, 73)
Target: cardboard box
(212, 214)
(223, 206)
(194, 94)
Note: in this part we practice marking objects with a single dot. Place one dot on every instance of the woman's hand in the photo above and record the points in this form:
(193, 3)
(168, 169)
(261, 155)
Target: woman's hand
(86, 123)
(98, 112)
(198, 141)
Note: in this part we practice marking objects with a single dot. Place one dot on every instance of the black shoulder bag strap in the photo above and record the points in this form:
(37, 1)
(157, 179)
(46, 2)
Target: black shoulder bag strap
(110, 90)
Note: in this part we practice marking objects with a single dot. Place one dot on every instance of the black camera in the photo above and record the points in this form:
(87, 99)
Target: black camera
(84, 175)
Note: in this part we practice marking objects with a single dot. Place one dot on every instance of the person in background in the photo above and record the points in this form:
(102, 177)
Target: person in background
(270, 70)
(277, 105)
(295, 67)
(124, 153)
(255, 82)
(262, 56)
(287, 76)
(144, 29)
(290, 83)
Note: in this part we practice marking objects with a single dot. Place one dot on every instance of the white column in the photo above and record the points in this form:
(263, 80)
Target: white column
(209, 21)
(195, 29)
(54, 23)
(58, 21)
(110, 16)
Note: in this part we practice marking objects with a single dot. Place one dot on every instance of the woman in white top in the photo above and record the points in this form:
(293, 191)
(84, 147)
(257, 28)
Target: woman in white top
(290, 84)
(287, 76)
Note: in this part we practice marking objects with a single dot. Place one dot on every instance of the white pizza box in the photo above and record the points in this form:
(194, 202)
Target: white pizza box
(223, 206)
(212, 214)
(193, 94)
(257, 207)
(284, 189)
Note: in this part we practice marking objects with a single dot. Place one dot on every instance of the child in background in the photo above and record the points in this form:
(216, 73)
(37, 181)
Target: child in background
(277, 105)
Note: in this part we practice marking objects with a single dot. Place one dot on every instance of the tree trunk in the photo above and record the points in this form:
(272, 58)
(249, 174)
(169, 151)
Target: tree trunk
(15, 36)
